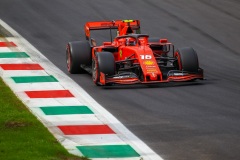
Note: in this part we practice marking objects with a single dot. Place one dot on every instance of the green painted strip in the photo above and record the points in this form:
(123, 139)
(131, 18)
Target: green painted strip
(13, 55)
(108, 151)
(62, 110)
(34, 79)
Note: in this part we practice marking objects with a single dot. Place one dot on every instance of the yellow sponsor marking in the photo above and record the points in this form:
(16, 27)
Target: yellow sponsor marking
(120, 53)
(128, 20)
(148, 62)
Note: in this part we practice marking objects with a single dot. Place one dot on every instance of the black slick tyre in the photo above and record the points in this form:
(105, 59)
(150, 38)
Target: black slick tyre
(102, 62)
(78, 53)
(187, 59)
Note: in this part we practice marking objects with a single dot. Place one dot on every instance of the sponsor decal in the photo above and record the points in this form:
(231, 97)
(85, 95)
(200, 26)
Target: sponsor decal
(151, 70)
(128, 20)
(147, 56)
(148, 62)
(120, 53)
(180, 74)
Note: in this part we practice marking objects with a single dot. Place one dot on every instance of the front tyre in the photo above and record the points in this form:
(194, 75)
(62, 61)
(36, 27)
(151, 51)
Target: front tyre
(187, 59)
(102, 62)
(78, 53)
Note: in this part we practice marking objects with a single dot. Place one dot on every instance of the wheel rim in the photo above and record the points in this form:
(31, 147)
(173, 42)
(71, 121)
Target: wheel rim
(94, 71)
(69, 59)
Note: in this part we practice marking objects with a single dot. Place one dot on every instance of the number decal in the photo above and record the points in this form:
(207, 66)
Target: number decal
(148, 56)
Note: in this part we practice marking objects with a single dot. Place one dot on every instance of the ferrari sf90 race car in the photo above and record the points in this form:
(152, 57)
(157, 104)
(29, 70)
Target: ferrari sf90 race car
(130, 57)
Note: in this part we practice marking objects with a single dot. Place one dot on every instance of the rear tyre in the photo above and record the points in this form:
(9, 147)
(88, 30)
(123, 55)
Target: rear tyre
(187, 59)
(78, 53)
(102, 62)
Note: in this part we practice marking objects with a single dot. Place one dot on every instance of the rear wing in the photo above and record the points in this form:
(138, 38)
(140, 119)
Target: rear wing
(115, 24)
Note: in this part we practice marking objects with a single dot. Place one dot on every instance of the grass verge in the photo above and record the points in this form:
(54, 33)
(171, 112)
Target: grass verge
(22, 136)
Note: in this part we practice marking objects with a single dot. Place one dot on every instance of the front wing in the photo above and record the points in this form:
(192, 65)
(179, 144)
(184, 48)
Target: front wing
(173, 76)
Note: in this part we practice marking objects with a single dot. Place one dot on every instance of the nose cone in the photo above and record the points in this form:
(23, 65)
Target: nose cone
(153, 77)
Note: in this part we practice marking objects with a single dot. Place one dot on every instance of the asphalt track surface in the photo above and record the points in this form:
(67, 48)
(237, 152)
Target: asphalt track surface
(179, 121)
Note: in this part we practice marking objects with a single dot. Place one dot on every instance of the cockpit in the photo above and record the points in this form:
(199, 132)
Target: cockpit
(130, 41)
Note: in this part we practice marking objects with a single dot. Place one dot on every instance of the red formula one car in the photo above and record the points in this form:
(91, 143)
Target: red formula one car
(130, 57)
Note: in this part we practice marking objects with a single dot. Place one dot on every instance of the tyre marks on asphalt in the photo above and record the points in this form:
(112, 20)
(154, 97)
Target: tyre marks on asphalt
(191, 26)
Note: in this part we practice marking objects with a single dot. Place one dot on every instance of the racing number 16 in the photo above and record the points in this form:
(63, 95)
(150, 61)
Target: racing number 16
(146, 56)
